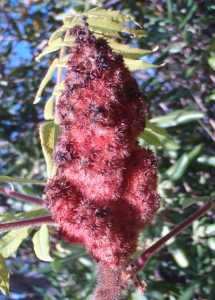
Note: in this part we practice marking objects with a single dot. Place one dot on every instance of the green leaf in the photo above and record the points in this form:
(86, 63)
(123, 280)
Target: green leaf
(212, 97)
(115, 15)
(127, 51)
(156, 129)
(7, 216)
(111, 27)
(55, 35)
(57, 264)
(49, 108)
(4, 276)
(42, 244)
(64, 262)
(189, 15)
(46, 80)
(210, 229)
(169, 9)
(49, 131)
(12, 240)
(190, 201)
(47, 50)
(163, 138)
(195, 152)
(207, 160)
(14, 179)
(58, 89)
(167, 143)
(178, 117)
(151, 138)
(34, 212)
(211, 62)
(211, 243)
(176, 249)
(177, 170)
(134, 65)
(188, 293)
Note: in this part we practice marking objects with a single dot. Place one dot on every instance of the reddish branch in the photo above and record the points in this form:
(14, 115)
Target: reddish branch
(140, 262)
(27, 223)
(26, 198)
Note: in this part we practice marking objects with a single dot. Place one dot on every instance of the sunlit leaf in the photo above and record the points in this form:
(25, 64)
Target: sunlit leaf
(151, 138)
(53, 46)
(4, 276)
(21, 180)
(134, 65)
(207, 160)
(127, 51)
(211, 62)
(12, 240)
(177, 170)
(112, 28)
(177, 250)
(178, 117)
(196, 151)
(7, 216)
(49, 108)
(55, 35)
(156, 129)
(190, 201)
(212, 97)
(49, 131)
(210, 228)
(34, 212)
(110, 14)
(46, 79)
(211, 243)
(42, 244)
(157, 136)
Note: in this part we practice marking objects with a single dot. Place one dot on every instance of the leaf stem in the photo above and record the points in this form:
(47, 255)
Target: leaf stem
(140, 262)
(27, 223)
(20, 196)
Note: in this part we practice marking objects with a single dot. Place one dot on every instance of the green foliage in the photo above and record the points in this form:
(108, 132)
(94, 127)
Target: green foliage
(42, 244)
(189, 201)
(4, 277)
(181, 99)
(178, 117)
(103, 22)
(14, 179)
(49, 131)
(12, 240)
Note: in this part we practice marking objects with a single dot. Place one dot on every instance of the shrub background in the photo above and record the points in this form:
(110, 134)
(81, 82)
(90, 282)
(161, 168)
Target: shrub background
(183, 30)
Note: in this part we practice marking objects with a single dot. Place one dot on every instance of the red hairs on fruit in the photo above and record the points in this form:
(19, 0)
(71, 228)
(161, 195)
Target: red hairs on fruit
(104, 191)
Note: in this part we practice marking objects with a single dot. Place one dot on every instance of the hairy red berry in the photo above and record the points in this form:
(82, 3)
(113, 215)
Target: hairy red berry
(104, 192)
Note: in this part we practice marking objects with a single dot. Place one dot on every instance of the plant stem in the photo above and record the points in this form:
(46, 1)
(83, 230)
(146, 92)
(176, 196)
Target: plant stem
(140, 262)
(20, 196)
(27, 223)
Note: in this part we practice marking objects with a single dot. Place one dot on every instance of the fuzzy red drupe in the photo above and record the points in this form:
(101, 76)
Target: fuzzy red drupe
(104, 192)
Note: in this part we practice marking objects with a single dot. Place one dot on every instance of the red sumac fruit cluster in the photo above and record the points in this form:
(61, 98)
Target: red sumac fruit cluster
(104, 191)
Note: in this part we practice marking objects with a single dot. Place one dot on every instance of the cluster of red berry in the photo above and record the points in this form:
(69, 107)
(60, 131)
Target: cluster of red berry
(104, 191)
